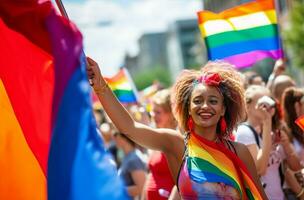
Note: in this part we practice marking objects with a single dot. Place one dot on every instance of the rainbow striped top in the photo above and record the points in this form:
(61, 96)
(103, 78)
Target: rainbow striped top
(242, 35)
(211, 171)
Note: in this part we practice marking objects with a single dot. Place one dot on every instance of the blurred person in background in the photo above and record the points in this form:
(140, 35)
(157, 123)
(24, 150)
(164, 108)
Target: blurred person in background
(107, 130)
(252, 78)
(278, 81)
(280, 84)
(98, 113)
(132, 169)
(267, 140)
(293, 104)
(159, 182)
(278, 69)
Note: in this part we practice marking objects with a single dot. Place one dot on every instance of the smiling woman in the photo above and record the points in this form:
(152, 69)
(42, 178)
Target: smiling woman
(207, 104)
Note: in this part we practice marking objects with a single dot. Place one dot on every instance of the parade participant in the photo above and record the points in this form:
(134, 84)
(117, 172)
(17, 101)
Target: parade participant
(208, 104)
(132, 169)
(293, 104)
(160, 182)
(265, 135)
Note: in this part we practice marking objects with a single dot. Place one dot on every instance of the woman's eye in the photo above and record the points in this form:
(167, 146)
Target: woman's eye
(213, 101)
(197, 101)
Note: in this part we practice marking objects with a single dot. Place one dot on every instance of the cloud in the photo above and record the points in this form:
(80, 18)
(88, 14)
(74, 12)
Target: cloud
(112, 28)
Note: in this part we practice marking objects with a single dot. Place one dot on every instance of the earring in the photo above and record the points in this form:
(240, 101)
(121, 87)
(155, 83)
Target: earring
(190, 124)
(223, 125)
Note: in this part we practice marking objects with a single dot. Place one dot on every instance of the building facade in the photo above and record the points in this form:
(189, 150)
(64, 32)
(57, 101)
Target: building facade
(182, 38)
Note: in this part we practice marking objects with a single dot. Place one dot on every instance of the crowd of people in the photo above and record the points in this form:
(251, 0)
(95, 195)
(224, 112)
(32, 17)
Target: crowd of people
(210, 116)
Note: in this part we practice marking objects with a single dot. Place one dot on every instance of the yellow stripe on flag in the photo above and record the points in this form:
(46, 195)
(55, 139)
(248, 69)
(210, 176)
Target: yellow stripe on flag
(253, 20)
(20, 174)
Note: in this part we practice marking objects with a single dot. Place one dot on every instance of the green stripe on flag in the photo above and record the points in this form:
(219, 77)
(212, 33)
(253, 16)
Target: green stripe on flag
(242, 35)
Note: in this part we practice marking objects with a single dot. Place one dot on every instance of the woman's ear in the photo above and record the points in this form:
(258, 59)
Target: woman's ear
(297, 107)
(223, 111)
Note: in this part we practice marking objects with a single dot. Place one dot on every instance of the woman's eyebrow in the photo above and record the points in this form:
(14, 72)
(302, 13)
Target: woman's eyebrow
(213, 96)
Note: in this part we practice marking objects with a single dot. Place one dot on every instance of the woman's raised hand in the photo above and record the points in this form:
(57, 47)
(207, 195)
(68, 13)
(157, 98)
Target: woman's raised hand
(95, 78)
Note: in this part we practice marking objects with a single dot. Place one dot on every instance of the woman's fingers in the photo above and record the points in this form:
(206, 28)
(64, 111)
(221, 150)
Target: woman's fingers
(93, 71)
(91, 74)
(91, 61)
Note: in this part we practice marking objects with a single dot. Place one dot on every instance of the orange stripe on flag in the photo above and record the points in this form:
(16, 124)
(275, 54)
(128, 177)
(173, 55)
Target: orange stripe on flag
(243, 9)
(21, 176)
(120, 76)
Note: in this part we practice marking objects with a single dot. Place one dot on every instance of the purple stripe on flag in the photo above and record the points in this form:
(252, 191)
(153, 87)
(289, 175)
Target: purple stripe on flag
(66, 43)
(250, 58)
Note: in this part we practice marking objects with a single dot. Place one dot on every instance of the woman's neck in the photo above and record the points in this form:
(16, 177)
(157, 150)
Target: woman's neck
(209, 133)
(254, 122)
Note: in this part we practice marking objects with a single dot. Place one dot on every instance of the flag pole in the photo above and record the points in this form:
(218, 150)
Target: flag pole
(62, 9)
(65, 14)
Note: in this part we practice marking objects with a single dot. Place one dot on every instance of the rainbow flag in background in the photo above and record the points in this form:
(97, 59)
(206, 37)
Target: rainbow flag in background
(149, 91)
(49, 145)
(147, 94)
(123, 87)
(213, 162)
(242, 35)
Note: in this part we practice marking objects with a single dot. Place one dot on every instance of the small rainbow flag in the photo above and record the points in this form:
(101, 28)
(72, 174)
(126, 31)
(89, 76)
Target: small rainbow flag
(242, 35)
(123, 87)
(149, 91)
(212, 162)
(300, 122)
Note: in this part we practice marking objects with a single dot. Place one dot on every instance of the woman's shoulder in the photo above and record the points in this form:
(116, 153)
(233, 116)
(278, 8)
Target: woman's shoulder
(174, 140)
(243, 153)
(241, 149)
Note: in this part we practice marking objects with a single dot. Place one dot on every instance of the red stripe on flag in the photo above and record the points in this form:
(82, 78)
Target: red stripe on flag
(28, 77)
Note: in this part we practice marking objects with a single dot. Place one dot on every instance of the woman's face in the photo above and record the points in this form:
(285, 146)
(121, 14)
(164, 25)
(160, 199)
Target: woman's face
(161, 117)
(254, 109)
(206, 106)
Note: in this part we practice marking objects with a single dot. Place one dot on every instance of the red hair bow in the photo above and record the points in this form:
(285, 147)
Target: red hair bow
(211, 79)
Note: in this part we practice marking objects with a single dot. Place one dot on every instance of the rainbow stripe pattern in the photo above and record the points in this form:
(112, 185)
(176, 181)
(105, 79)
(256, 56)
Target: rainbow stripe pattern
(123, 87)
(49, 145)
(242, 35)
(212, 162)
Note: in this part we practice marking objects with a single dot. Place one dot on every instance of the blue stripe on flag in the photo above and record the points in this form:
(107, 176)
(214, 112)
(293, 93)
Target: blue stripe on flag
(227, 50)
(79, 168)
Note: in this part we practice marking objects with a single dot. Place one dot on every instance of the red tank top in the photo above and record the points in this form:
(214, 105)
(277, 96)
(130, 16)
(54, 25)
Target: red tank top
(160, 182)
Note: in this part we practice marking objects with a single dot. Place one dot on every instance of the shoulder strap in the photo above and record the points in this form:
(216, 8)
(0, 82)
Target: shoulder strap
(231, 147)
(256, 136)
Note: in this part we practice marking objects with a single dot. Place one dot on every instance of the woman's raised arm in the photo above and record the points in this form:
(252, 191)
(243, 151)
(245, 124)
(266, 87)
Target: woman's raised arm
(158, 139)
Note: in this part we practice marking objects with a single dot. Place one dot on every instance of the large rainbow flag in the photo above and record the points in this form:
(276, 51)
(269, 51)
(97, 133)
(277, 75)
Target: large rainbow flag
(49, 145)
(213, 162)
(123, 87)
(242, 35)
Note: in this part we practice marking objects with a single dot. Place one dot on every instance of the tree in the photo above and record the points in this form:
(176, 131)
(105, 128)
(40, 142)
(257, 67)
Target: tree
(147, 77)
(294, 35)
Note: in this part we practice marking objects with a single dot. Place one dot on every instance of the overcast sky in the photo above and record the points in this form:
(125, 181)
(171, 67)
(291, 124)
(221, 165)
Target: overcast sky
(112, 27)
